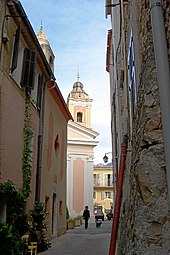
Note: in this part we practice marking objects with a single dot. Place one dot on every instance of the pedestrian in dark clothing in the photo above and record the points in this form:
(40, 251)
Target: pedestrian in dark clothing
(86, 216)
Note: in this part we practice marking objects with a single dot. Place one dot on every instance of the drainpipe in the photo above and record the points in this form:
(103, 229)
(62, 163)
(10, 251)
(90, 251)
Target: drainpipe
(163, 76)
(115, 222)
(40, 146)
(126, 86)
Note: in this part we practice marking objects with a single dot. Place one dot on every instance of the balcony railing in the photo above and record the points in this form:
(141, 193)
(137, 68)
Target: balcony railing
(103, 183)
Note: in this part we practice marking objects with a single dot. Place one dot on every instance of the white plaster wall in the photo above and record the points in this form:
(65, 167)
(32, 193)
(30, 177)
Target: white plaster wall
(88, 183)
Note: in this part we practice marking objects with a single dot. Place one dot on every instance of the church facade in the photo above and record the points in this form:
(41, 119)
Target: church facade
(80, 144)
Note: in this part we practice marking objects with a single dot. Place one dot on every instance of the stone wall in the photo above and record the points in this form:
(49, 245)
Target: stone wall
(144, 226)
(166, 6)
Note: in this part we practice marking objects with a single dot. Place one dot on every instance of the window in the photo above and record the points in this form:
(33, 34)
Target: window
(79, 117)
(28, 70)
(23, 63)
(33, 92)
(94, 194)
(60, 207)
(108, 195)
(16, 49)
(131, 74)
(51, 60)
(108, 179)
(16, 72)
(102, 195)
(56, 145)
(95, 179)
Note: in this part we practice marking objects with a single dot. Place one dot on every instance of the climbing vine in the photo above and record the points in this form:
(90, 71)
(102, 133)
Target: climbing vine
(17, 222)
(8, 188)
(27, 160)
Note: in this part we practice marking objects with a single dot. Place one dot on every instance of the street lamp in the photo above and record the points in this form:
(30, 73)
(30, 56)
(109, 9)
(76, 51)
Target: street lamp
(105, 158)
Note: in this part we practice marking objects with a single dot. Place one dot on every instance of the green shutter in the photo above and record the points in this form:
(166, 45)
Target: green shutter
(28, 70)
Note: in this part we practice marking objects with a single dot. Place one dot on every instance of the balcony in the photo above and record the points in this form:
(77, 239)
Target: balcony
(103, 183)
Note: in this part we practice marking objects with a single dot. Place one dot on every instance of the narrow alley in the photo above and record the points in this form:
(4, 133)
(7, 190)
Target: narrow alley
(81, 241)
(85, 127)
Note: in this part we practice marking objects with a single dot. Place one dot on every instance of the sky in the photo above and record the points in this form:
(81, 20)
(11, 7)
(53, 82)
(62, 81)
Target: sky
(77, 32)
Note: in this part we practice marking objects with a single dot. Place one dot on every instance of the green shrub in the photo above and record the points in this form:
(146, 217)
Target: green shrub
(37, 231)
(67, 214)
(11, 243)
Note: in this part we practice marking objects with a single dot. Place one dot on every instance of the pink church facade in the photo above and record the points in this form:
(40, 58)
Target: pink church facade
(80, 144)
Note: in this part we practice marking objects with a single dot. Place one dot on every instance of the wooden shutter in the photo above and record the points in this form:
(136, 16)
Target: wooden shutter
(112, 179)
(106, 180)
(16, 49)
(28, 70)
(103, 195)
(97, 179)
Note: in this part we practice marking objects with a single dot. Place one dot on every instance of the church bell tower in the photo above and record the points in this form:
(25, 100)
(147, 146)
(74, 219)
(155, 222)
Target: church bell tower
(79, 104)
(80, 151)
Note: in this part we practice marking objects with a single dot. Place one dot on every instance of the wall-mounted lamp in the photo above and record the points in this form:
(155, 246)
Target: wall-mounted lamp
(105, 158)
(5, 38)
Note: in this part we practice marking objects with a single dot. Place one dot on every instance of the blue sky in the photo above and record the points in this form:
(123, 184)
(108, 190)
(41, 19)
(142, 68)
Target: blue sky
(77, 32)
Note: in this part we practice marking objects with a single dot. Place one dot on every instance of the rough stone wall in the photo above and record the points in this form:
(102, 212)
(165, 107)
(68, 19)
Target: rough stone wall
(144, 226)
(166, 6)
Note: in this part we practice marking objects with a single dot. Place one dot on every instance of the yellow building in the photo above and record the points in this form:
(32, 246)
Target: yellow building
(103, 192)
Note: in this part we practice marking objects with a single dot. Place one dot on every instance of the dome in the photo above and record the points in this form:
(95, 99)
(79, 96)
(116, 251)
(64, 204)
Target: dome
(78, 87)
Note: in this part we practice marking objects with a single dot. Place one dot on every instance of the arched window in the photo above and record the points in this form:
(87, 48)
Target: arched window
(79, 117)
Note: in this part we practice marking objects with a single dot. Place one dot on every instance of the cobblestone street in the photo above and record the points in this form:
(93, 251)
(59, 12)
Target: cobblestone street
(81, 241)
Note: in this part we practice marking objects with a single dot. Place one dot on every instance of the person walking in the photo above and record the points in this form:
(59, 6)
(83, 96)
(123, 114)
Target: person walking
(86, 216)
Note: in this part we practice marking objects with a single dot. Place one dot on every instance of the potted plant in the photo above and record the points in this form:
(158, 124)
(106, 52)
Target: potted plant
(71, 223)
(78, 221)
(80, 217)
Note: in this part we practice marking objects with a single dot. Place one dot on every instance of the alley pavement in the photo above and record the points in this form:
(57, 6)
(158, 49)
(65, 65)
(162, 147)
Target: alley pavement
(81, 241)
